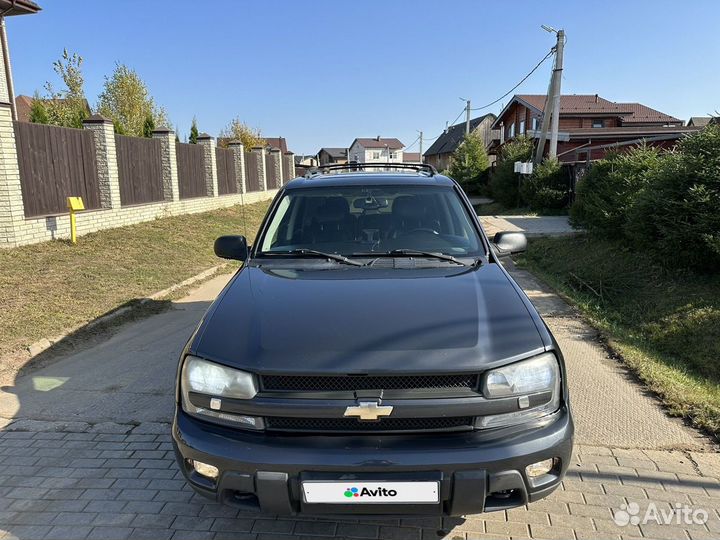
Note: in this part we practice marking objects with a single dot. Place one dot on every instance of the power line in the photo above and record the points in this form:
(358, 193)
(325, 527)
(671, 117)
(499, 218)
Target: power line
(548, 55)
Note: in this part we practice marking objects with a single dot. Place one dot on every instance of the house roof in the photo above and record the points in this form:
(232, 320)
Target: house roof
(378, 142)
(23, 106)
(334, 152)
(277, 142)
(411, 157)
(699, 121)
(18, 7)
(640, 113)
(451, 139)
(574, 104)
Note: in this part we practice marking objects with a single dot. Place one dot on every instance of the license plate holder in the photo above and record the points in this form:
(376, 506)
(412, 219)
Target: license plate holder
(367, 491)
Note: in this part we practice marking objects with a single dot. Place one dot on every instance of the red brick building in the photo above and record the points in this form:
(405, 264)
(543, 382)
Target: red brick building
(590, 126)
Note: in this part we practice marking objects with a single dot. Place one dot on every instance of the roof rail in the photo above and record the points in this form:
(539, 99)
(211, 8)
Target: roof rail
(421, 168)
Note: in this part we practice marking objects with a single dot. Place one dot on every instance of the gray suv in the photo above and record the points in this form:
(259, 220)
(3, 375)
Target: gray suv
(372, 356)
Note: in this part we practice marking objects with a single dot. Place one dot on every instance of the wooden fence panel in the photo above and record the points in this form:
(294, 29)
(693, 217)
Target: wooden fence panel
(227, 179)
(140, 170)
(271, 172)
(252, 179)
(288, 162)
(191, 170)
(56, 163)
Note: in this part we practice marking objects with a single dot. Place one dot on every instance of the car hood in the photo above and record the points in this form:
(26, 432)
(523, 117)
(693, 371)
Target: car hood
(366, 320)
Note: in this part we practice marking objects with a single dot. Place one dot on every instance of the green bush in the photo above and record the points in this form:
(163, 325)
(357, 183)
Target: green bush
(504, 181)
(470, 164)
(606, 196)
(547, 187)
(677, 215)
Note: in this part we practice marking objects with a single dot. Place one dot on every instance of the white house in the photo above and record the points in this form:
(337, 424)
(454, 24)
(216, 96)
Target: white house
(377, 150)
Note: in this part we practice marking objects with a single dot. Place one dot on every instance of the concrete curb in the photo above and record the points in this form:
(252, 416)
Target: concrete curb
(41, 345)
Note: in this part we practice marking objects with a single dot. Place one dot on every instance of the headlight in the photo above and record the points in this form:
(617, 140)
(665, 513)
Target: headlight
(213, 379)
(215, 382)
(538, 374)
(529, 380)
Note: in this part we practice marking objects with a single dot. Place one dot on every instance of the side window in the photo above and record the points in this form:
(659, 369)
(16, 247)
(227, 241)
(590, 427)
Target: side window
(376, 155)
(511, 133)
(522, 127)
(598, 123)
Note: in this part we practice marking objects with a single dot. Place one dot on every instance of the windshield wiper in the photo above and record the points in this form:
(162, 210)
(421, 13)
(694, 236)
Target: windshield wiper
(412, 253)
(314, 253)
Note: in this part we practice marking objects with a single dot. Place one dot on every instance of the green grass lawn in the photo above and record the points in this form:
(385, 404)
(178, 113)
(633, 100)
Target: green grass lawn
(665, 324)
(49, 287)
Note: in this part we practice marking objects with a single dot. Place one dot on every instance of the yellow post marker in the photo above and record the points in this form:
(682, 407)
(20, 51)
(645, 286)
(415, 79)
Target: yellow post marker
(74, 204)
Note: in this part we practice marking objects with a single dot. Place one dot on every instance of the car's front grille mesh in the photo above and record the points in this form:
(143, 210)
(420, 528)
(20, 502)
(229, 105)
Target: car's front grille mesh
(349, 383)
(337, 425)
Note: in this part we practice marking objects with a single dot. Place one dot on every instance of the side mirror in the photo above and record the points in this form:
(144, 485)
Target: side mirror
(232, 247)
(508, 243)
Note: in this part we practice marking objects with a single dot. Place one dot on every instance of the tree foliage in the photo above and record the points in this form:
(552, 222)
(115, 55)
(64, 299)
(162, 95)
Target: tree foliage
(504, 181)
(194, 132)
(66, 106)
(677, 213)
(38, 111)
(547, 187)
(666, 203)
(126, 101)
(470, 163)
(606, 195)
(239, 130)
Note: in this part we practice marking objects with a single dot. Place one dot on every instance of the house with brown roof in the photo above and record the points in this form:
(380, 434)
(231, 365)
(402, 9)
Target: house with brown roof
(377, 149)
(332, 156)
(23, 106)
(439, 155)
(589, 126)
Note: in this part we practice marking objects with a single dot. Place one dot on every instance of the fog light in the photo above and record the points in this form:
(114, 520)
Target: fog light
(541, 467)
(204, 469)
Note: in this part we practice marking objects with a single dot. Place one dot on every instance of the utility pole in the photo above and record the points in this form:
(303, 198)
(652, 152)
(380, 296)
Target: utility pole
(421, 147)
(551, 114)
(557, 73)
(467, 117)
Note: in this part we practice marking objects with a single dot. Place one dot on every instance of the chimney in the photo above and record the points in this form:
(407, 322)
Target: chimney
(377, 138)
(596, 98)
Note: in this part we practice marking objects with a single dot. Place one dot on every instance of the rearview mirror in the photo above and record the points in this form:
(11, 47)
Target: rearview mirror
(508, 242)
(232, 247)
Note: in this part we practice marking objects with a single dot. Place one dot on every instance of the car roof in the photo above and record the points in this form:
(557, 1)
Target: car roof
(370, 179)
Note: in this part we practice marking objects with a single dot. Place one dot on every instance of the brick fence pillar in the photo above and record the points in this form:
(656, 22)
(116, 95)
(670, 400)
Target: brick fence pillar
(290, 162)
(276, 156)
(171, 183)
(260, 151)
(12, 210)
(106, 160)
(238, 151)
(211, 181)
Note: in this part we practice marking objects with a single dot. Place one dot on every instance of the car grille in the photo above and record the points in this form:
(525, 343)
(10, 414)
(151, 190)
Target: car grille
(349, 383)
(352, 425)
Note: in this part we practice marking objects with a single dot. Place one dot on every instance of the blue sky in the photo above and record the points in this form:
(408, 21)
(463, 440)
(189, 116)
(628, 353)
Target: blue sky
(322, 73)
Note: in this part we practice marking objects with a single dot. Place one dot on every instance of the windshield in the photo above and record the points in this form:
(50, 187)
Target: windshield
(352, 220)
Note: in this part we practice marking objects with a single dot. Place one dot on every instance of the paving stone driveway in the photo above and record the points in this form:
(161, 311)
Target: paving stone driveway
(72, 466)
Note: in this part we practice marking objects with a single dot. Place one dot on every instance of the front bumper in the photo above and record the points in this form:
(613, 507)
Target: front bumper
(476, 473)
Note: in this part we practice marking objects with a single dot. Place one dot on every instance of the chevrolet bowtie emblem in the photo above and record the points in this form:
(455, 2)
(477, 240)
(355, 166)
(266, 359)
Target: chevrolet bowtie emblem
(369, 410)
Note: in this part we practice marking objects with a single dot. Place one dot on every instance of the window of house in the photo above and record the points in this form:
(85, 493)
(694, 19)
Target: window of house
(376, 155)
(522, 127)
(511, 131)
(393, 155)
(598, 123)
(534, 124)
